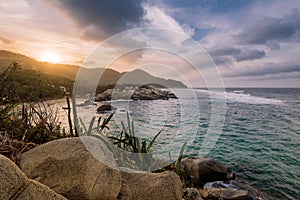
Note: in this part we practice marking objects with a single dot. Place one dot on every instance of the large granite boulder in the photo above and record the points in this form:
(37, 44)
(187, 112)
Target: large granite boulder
(152, 186)
(67, 167)
(15, 185)
(125, 192)
(203, 170)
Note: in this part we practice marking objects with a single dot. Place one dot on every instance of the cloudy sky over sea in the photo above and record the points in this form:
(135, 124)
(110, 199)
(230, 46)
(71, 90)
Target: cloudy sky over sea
(253, 43)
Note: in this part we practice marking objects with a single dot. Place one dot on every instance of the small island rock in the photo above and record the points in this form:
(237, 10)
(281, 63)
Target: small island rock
(146, 92)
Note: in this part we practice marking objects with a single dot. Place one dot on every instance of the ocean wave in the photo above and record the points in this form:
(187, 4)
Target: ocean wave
(241, 97)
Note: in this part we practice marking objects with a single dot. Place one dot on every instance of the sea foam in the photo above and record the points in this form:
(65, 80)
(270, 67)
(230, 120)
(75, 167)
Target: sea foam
(241, 97)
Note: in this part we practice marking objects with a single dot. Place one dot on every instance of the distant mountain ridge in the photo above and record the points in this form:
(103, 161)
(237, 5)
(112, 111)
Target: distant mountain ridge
(109, 76)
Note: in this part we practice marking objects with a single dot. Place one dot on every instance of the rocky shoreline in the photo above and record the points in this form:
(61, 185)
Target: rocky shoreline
(84, 168)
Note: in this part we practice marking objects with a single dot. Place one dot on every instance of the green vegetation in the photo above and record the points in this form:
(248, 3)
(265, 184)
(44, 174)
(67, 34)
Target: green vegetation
(23, 85)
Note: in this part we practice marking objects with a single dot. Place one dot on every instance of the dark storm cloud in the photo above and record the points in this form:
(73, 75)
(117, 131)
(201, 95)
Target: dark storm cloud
(249, 55)
(225, 51)
(269, 69)
(225, 56)
(222, 60)
(100, 19)
(268, 30)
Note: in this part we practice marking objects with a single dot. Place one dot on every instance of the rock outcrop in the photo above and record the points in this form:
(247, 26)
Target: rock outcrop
(67, 167)
(147, 92)
(151, 186)
(203, 170)
(15, 185)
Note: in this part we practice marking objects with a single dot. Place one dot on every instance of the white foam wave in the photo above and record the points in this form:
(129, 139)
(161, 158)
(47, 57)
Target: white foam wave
(119, 100)
(241, 97)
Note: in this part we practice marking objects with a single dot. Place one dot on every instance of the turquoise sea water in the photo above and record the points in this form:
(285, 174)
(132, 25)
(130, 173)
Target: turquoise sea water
(259, 139)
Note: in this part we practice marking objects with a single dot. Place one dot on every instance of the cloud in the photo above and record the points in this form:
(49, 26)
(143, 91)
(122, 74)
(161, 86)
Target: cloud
(249, 55)
(269, 30)
(158, 18)
(267, 69)
(225, 51)
(225, 56)
(6, 41)
(101, 19)
(222, 60)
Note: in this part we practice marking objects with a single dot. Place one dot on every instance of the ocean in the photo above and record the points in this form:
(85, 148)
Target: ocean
(257, 133)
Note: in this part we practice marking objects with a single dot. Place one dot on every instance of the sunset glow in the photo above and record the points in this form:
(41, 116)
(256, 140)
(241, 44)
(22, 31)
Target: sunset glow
(50, 57)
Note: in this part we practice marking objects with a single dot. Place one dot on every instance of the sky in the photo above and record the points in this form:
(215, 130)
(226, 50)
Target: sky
(249, 43)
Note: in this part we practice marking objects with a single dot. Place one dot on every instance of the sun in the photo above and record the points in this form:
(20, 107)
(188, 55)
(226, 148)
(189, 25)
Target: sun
(50, 57)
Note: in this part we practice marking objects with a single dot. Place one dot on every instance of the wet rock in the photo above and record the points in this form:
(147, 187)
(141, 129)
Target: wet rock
(105, 108)
(152, 186)
(15, 185)
(255, 193)
(203, 170)
(67, 167)
(225, 194)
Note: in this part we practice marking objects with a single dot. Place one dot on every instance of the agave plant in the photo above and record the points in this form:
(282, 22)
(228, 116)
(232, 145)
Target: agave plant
(129, 142)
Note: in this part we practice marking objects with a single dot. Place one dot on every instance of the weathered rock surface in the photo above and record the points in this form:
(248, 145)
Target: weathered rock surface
(225, 194)
(15, 185)
(105, 108)
(152, 186)
(192, 194)
(142, 93)
(125, 192)
(67, 167)
(203, 170)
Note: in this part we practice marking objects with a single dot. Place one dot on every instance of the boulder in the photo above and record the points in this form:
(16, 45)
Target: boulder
(152, 186)
(203, 170)
(125, 192)
(15, 185)
(36, 190)
(105, 108)
(77, 168)
(225, 194)
(192, 194)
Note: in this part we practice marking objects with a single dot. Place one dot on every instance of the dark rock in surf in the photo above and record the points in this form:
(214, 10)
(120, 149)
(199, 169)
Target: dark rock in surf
(105, 108)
